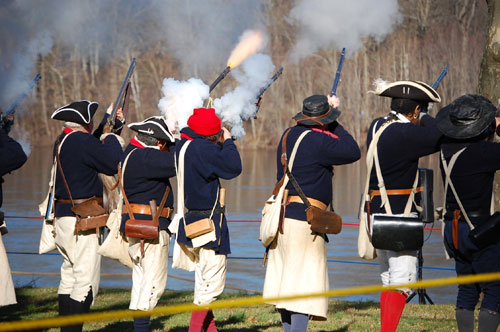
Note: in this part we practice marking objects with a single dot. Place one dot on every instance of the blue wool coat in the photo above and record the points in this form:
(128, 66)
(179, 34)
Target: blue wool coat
(399, 148)
(317, 154)
(82, 157)
(146, 178)
(12, 157)
(205, 163)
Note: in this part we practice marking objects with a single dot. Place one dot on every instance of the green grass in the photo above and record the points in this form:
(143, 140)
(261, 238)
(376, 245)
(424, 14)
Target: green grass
(36, 303)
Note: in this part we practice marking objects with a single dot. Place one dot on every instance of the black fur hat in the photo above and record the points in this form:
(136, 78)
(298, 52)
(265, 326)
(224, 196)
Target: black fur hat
(80, 112)
(154, 126)
(466, 117)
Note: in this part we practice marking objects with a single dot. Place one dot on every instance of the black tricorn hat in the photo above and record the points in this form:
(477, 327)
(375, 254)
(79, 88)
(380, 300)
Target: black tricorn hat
(80, 112)
(414, 90)
(154, 126)
(316, 111)
(466, 117)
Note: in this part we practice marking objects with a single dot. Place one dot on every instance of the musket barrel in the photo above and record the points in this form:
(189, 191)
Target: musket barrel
(19, 99)
(122, 89)
(441, 76)
(219, 78)
(337, 74)
(270, 82)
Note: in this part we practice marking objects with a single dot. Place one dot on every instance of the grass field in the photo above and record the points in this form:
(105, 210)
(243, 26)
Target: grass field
(36, 303)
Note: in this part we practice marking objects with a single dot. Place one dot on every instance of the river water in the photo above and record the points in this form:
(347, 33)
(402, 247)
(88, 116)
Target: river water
(24, 189)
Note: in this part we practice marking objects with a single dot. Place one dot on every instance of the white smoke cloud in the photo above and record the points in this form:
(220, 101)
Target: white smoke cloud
(179, 99)
(199, 33)
(333, 24)
(238, 105)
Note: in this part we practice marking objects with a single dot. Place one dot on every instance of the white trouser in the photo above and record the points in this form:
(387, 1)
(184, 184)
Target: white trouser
(210, 276)
(149, 274)
(81, 268)
(398, 267)
(7, 292)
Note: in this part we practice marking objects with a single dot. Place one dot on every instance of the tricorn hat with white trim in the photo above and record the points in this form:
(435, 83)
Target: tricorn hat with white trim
(154, 126)
(413, 90)
(80, 112)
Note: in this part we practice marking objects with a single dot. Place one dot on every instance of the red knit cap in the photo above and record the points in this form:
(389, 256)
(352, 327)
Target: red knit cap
(204, 121)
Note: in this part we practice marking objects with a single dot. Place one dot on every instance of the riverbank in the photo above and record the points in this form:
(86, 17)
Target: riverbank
(37, 303)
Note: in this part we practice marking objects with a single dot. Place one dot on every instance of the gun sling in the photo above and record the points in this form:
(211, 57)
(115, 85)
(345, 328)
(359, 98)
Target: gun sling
(89, 214)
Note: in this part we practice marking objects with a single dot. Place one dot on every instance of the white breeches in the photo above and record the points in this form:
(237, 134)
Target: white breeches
(149, 274)
(398, 267)
(210, 275)
(81, 268)
(7, 292)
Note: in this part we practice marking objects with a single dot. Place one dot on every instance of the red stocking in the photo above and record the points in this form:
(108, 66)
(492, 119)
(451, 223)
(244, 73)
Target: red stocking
(197, 320)
(392, 309)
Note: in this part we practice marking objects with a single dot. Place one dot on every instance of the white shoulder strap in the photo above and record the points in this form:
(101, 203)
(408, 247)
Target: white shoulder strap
(447, 171)
(292, 157)
(180, 178)
(371, 157)
(54, 164)
(125, 165)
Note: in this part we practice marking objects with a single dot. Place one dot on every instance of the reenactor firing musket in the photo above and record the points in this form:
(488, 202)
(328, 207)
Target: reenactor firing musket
(124, 92)
(258, 99)
(19, 99)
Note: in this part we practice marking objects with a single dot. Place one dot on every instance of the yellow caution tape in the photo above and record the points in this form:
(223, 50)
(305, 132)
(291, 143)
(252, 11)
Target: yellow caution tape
(231, 303)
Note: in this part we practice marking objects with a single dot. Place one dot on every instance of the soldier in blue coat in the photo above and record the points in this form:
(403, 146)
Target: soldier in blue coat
(211, 155)
(147, 166)
(297, 257)
(470, 156)
(12, 157)
(398, 140)
(82, 156)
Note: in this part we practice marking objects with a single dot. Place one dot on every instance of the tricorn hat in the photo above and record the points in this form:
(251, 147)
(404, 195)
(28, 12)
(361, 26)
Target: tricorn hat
(413, 90)
(316, 110)
(154, 126)
(466, 117)
(80, 112)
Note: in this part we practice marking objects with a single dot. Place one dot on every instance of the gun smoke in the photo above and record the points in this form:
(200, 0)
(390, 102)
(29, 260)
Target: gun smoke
(195, 32)
(179, 99)
(333, 24)
(239, 104)
(236, 105)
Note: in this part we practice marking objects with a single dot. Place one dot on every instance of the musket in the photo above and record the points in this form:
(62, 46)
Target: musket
(124, 92)
(264, 88)
(19, 99)
(268, 84)
(441, 76)
(337, 75)
(219, 78)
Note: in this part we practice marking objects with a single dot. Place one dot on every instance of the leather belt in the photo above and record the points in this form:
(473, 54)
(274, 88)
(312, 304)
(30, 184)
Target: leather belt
(217, 210)
(470, 214)
(314, 202)
(391, 192)
(78, 201)
(146, 209)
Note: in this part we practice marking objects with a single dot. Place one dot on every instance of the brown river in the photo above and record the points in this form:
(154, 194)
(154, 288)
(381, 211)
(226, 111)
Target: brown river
(24, 189)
